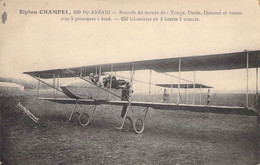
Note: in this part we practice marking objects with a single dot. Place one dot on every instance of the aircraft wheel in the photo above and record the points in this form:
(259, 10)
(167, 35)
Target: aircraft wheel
(75, 118)
(128, 124)
(84, 119)
(139, 126)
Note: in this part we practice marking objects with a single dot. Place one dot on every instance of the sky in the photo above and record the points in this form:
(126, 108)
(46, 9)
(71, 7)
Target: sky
(39, 42)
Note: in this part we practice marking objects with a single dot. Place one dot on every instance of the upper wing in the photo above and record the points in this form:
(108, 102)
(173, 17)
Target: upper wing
(165, 106)
(225, 61)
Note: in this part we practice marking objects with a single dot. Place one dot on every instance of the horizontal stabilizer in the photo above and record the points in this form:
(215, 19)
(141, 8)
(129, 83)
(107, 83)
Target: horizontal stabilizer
(183, 86)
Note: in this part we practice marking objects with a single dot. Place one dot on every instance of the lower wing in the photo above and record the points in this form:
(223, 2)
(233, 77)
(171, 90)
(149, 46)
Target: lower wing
(162, 106)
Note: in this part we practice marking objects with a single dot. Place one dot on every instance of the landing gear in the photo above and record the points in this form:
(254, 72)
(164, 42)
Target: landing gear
(128, 124)
(75, 118)
(137, 124)
(82, 118)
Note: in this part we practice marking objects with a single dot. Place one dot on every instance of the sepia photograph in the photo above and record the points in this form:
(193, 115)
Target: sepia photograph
(129, 82)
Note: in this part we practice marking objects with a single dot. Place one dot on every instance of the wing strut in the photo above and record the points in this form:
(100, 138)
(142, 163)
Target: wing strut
(110, 83)
(150, 81)
(73, 110)
(200, 94)
(247, 64)
(58, 83)
(178, 98)
(193, 94)
(257, 93)
(38, 86)
(54, 78)
(132, 78)
(171, 98)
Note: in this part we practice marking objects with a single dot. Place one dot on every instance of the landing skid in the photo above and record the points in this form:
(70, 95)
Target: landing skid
(123, 122)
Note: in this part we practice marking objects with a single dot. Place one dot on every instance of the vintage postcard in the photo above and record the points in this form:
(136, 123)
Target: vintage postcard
(129, 82)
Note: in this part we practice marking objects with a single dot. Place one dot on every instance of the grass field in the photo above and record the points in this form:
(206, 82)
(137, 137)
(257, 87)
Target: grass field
(170, 137)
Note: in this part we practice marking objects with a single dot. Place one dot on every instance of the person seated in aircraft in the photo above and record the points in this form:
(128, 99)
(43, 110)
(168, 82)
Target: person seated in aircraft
(108, 82)
(96, 78)
(113, 82)
(105, 82)
(91, 77)
(116, 84)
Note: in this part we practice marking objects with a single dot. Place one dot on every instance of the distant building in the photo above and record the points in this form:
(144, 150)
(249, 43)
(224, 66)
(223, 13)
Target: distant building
(7, 87)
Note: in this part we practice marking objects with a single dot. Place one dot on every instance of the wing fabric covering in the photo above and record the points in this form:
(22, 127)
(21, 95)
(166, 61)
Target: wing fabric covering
(162, 106)
(225, 61)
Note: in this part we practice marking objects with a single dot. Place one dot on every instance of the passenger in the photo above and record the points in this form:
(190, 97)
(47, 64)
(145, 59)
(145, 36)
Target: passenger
(108, 81)
(113, 82)
(108, 84)
(91, 77)
(97, 80)
(116, 84)
(105, 82)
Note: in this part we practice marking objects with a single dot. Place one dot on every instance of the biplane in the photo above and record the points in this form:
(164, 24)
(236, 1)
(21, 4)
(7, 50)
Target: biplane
(85, 90)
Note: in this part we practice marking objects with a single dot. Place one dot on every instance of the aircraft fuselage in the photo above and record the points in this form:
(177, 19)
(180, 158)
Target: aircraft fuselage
(80, 89)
